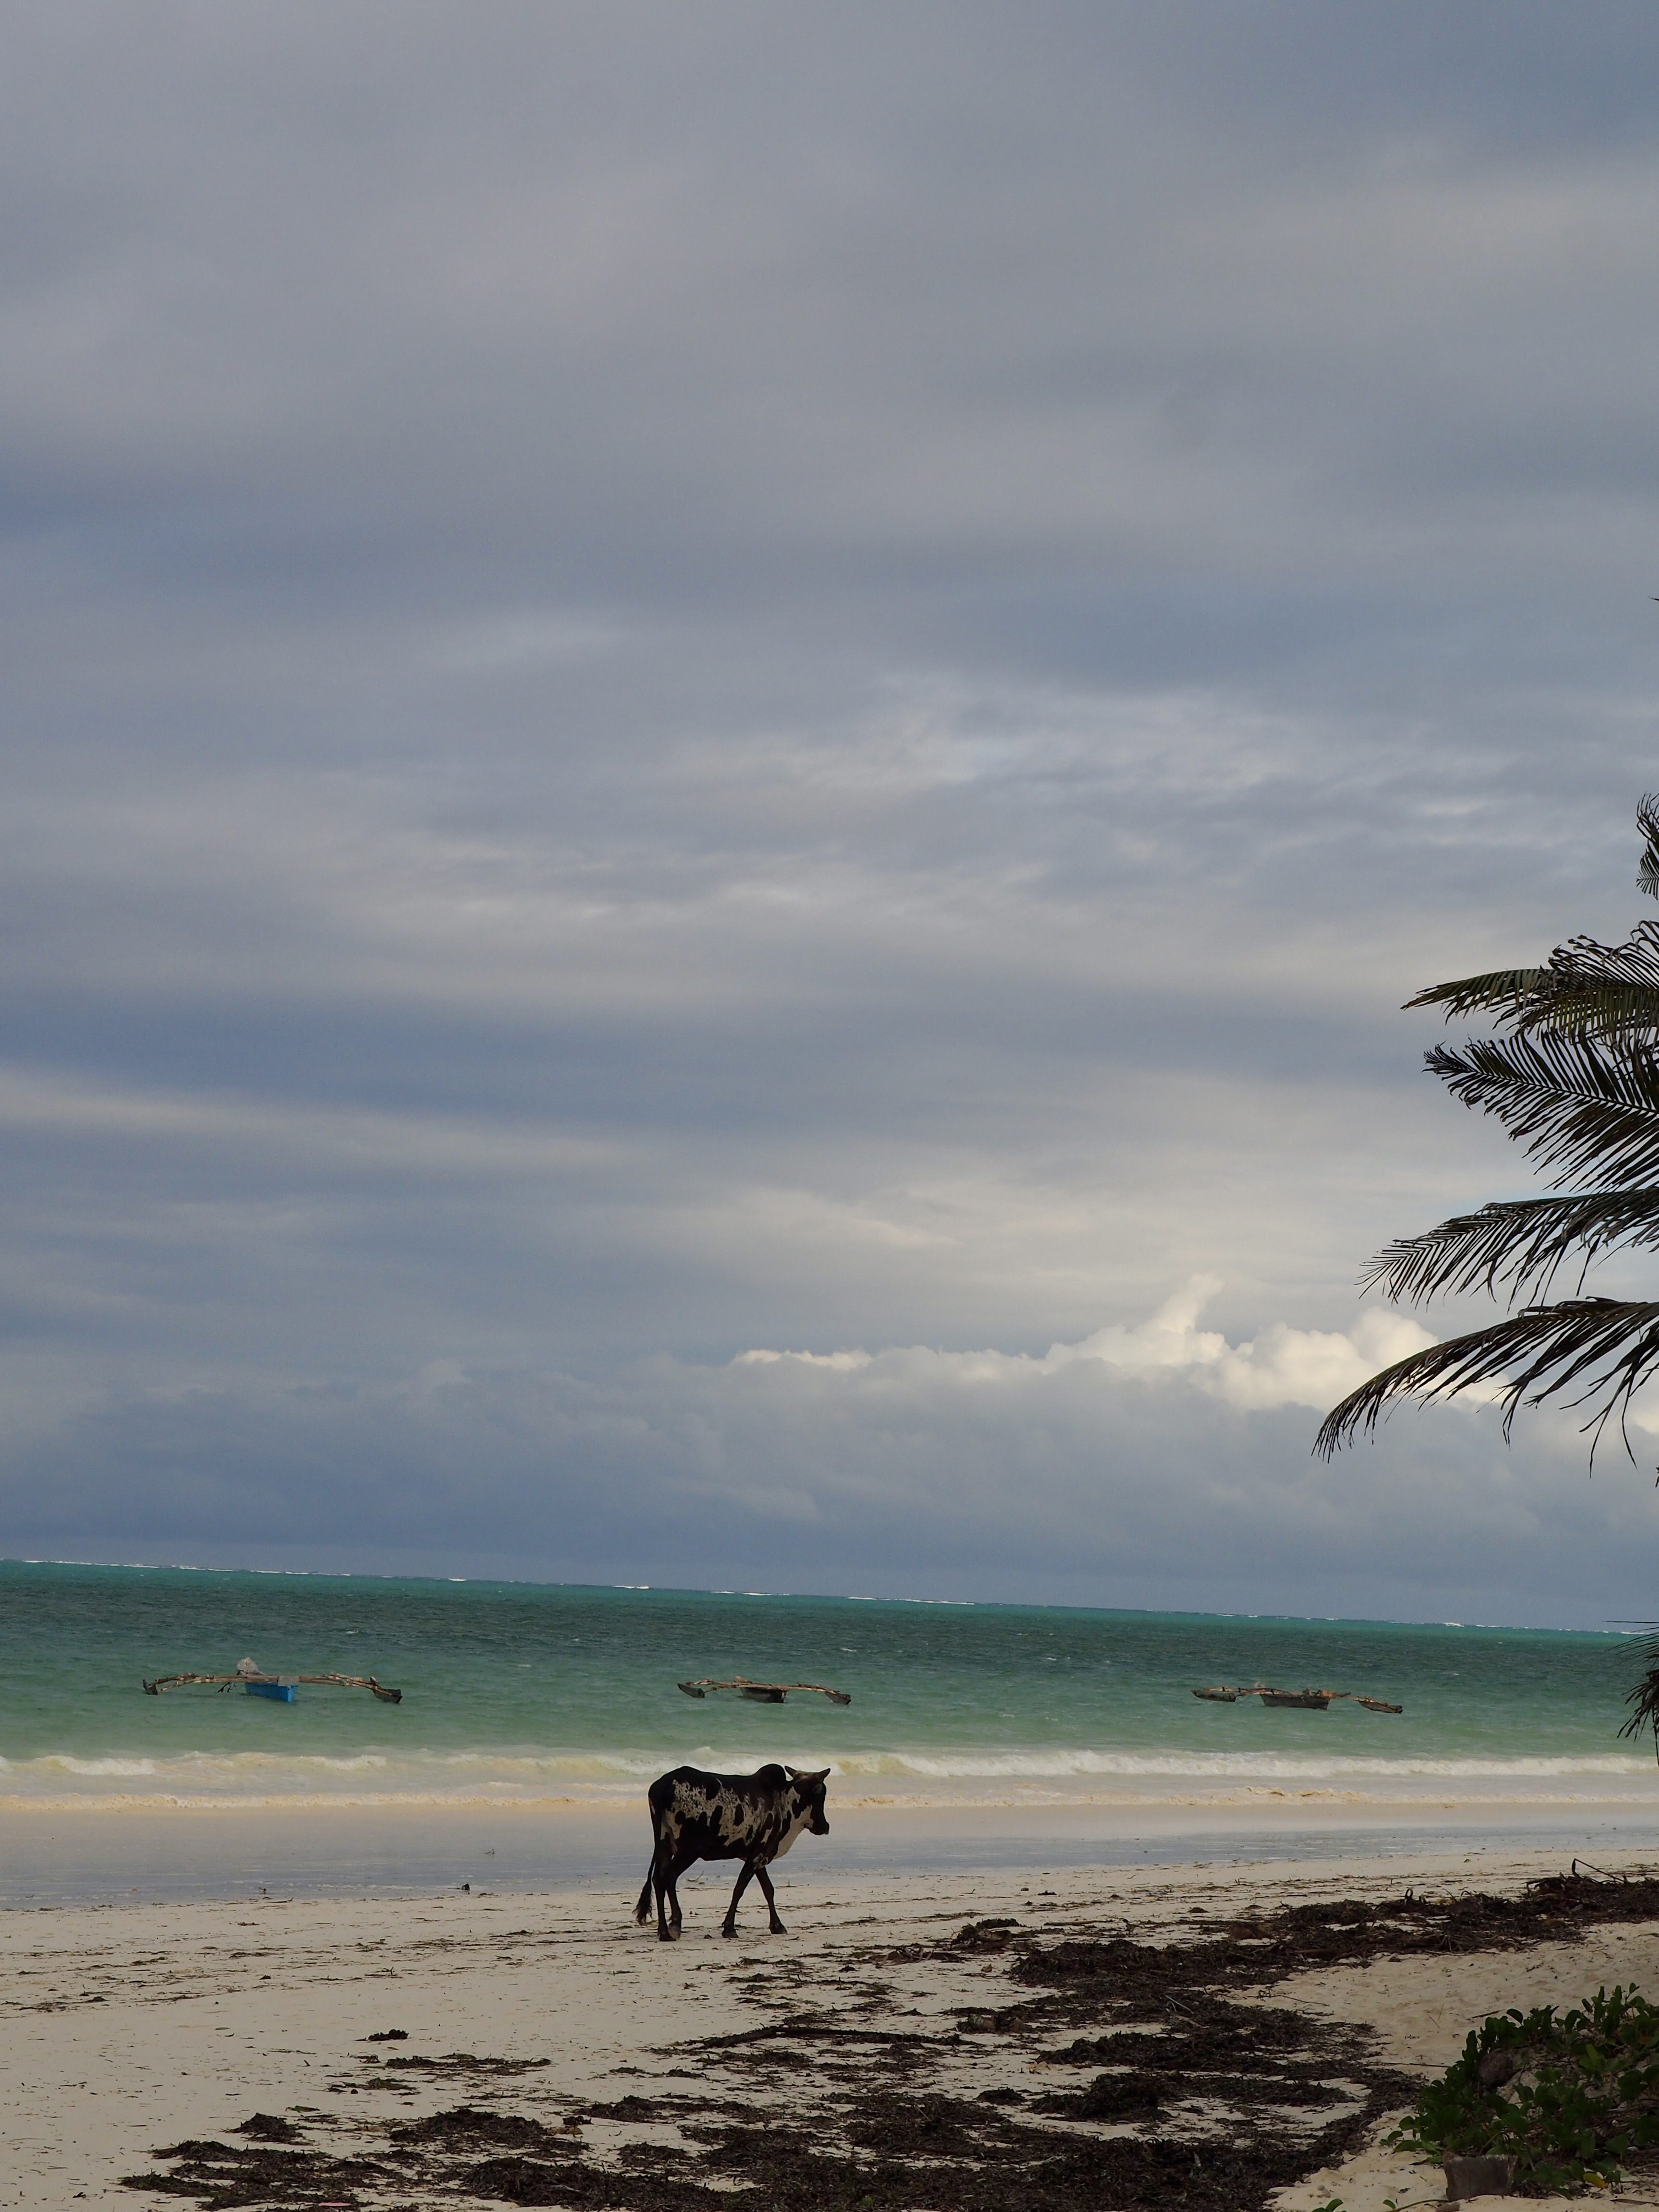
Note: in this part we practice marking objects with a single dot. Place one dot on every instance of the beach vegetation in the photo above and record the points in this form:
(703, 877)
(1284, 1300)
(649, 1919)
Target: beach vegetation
(1569, 2099)
(1571, 1074)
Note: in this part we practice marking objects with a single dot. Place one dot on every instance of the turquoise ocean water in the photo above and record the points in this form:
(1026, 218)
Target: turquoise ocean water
(515, 1691)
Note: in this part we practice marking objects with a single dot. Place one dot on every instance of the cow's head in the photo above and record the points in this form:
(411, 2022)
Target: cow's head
(808, 1792)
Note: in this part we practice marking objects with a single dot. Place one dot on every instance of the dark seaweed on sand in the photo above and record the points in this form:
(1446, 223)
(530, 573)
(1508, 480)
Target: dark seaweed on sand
(222, 2176)
(1157, 2084)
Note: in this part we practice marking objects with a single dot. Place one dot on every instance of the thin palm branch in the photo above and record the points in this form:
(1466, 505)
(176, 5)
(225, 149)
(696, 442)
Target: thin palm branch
(1520, 1244)
(1503, 990)
(1573, 1105)
(1604, 1348)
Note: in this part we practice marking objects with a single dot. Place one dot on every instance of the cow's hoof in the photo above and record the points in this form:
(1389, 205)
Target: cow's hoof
(729, 1931)
(668, 1934)
(778, 1928)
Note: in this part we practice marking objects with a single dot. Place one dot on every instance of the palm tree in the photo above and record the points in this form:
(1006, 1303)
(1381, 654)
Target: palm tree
(1573, 1075)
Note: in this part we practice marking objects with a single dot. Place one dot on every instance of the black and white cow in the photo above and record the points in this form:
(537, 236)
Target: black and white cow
(751, 1817)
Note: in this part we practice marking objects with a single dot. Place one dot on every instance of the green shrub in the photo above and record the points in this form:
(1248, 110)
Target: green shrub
(1568, 2097)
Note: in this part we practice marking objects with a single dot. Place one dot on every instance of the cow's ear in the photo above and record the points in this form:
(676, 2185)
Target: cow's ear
(793, 1773)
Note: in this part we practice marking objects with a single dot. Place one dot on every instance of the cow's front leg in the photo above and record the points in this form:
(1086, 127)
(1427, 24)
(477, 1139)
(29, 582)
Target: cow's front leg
(765, 1881)
(729, 1925)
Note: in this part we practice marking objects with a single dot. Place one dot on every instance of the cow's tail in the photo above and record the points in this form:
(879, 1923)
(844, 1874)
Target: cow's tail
(642, 1909)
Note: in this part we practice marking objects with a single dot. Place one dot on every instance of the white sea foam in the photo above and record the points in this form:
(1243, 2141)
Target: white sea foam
(968, 1773)
(203, 1767)
(61, 1762)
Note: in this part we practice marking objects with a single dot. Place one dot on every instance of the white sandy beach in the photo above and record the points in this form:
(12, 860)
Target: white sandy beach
(129, 2027)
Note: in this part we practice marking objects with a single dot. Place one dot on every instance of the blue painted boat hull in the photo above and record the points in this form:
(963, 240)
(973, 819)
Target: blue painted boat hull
(285, 1691)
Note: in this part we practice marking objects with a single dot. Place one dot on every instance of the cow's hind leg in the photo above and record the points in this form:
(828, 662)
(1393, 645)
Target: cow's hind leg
(673, 1867)
(662, 1877)
(765, 1881)
(729, 1925)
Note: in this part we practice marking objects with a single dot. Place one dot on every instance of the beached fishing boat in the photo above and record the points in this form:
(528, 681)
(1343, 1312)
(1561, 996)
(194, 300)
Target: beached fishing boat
(252, 1678)
(765, 1694)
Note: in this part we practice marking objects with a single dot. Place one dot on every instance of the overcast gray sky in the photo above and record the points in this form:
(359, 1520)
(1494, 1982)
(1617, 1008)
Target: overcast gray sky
(695, 681)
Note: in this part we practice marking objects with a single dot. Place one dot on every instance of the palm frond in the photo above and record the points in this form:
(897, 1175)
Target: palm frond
(1647, 821)
(1573, 1104)
(1643, 1700)
(1607, 1010)
(1585, 962)
(1585, 989)
(1519, 1244)
(1503, 990)
(1591, 989)
(1609, 1346)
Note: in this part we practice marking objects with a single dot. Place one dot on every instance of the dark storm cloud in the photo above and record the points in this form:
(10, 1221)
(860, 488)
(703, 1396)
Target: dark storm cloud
(682, 681)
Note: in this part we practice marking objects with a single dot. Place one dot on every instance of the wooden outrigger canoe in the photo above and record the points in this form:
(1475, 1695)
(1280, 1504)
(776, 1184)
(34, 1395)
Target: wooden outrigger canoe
(765, 1694)
(283, 1687)
(1314, 1701)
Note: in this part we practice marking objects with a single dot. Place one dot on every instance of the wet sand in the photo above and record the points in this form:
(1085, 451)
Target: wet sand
(107, 1849)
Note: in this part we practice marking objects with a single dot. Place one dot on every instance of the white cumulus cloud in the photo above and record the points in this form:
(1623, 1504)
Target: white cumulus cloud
(1280, 1366)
